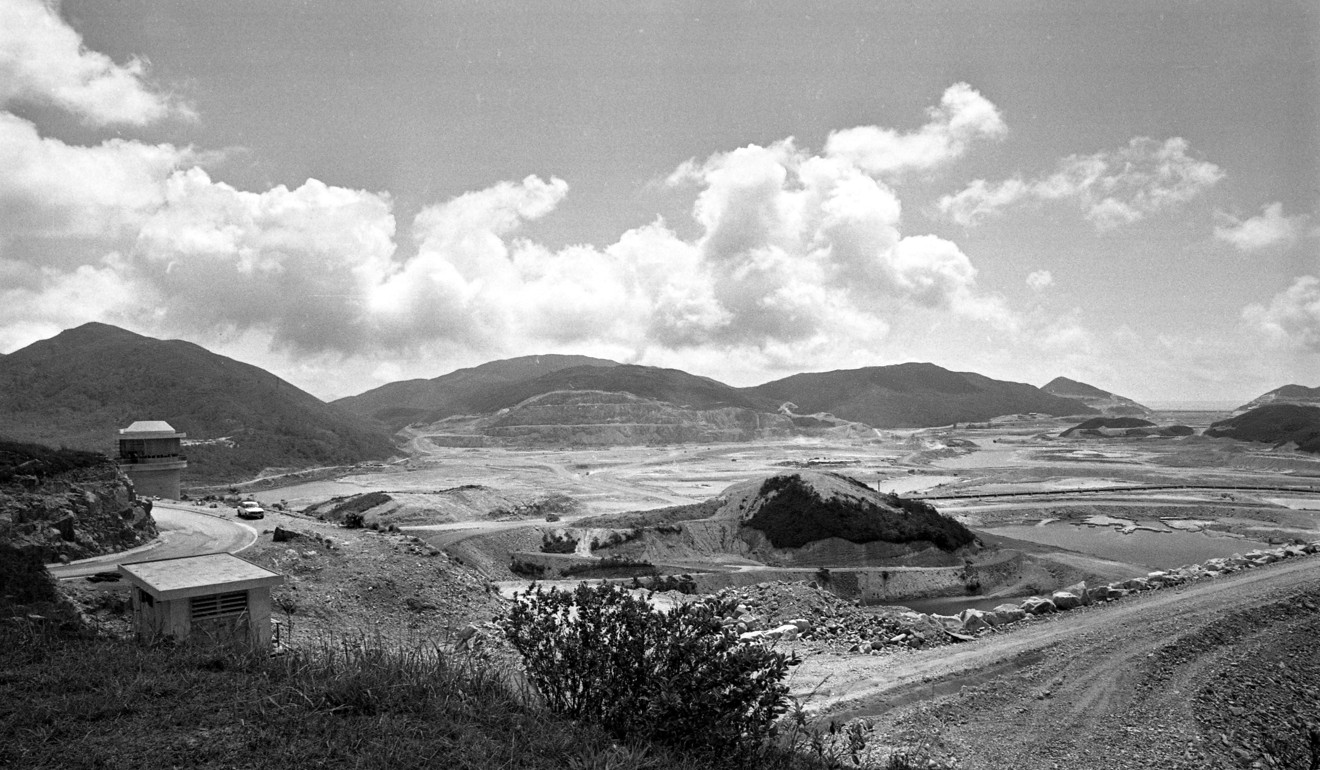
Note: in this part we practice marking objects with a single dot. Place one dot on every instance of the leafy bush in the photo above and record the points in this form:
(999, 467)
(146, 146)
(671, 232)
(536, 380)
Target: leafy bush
(795, 514)
(23, 577)
(602, 656)
(558, 542)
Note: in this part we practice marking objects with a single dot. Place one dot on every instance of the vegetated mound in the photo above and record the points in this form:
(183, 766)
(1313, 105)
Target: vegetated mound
(1274, 424)
(598, 418)
(79, 387)
(1102, 400)
(1288, 394)
(913, 395)
(60, 505)
(793, 511)
(465, 391)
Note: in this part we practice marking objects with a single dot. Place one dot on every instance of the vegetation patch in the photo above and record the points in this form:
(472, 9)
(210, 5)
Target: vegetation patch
(793, 514)
(19, 459)
(680, 679)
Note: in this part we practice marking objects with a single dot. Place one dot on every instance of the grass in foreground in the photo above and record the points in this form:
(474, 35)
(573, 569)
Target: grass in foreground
(70, 701)
(99, 703)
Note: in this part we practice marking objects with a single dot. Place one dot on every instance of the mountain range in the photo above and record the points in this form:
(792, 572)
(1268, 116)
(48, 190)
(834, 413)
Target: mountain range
(78, 388)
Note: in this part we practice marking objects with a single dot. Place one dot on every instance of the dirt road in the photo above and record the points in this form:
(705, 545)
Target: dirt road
(1112, 686)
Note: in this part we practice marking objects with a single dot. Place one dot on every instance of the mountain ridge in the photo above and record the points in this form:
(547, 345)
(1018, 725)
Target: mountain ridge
(82, 385)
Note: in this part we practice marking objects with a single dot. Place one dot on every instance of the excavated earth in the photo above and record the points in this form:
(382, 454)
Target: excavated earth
(1219, 673)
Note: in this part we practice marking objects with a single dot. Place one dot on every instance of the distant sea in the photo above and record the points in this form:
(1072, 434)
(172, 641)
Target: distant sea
(1194, 406)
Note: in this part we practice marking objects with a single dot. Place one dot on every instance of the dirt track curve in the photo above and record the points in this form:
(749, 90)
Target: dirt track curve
(1203, 675)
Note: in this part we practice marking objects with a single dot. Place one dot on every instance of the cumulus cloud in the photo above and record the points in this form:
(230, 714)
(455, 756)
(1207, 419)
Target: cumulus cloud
(962, 117)
(797, 256)
(1111, 188)
(52, 189)
(1267, 230)
(1039, 280)
(1292, 316)
(42, 59)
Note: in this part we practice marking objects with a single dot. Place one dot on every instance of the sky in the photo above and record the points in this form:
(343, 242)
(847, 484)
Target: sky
(350, 193)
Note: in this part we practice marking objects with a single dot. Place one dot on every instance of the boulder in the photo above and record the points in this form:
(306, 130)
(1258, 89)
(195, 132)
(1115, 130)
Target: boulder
(1098, 594)
(973, 621)
(1037, 605)
(949, 622)
(1009, 613)
(1066, 600)
(1134, 584)
(803, 625)
(1078, 590)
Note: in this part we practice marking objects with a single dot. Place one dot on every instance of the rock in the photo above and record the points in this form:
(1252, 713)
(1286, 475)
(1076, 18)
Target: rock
(464, 637)
(1066, 600)
(803, 625)
(1009, 613)
(973, 621)
(1098, 594)
(1134, 584)
(283, 535)
(1037, 605)
(949, 622)
(1078, 590)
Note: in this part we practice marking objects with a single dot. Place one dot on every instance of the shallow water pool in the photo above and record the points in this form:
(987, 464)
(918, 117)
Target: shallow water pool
(1156, 550)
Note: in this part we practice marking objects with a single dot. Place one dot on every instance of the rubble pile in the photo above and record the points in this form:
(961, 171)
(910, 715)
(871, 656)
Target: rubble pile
(784, 611)
(803, 612)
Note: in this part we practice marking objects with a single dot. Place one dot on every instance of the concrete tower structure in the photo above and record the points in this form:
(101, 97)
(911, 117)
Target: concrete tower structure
(151, 454)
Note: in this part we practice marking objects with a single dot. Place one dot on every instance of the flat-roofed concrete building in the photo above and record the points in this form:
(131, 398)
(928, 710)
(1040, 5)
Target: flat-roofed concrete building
(151, 455)
(215, 598)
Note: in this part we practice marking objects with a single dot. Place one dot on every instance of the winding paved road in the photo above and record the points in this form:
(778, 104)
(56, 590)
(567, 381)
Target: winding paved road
(184, 531)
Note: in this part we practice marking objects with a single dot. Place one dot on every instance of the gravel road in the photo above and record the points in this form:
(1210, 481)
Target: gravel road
(1219, 673)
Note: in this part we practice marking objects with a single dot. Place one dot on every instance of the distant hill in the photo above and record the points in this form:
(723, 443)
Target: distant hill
(1101, 400)
(1274, 424)
(79, 387)
(465, 391)
(914, 395)
(1288, 394)
(674, 386)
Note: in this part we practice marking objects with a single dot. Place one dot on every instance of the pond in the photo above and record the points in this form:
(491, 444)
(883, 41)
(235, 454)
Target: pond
(1156, 550)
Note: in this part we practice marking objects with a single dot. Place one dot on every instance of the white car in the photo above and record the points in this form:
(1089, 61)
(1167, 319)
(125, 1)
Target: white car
(250, 509)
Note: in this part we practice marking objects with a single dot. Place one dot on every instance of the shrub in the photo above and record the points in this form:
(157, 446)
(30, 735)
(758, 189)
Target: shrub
(23, 577)
(602, 656)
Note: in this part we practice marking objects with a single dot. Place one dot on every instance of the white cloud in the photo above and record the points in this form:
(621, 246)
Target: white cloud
(1039, 280)
(1111, 188)
(49, 189)
(962, 117)
(42, 59)
(799, 258)
(1292, 316)
(1270, 229)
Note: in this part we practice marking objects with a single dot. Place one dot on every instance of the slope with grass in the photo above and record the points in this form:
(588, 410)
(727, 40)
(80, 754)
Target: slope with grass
(464, 391)
(1102, 400)
(1277, 424)
(1299, 395)
(77, 388)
